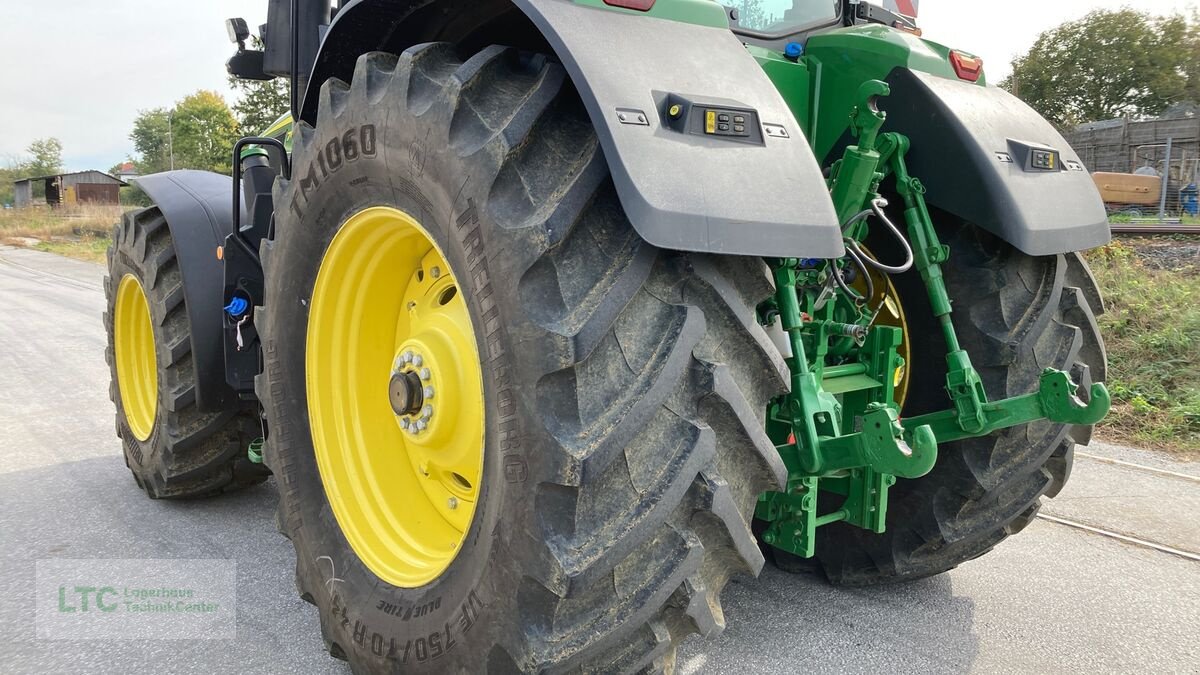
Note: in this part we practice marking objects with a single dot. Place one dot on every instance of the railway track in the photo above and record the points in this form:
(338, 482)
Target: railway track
(1130, 539)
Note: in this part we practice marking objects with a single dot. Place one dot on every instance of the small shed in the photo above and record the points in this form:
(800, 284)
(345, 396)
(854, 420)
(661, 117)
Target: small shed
(81, 187)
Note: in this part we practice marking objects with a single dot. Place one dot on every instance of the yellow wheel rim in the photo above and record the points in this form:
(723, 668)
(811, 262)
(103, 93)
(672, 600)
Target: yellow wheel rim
(395, 396)
(133, 347)
(891, 313)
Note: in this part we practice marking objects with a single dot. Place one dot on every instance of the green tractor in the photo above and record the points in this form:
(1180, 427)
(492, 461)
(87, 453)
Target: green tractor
(550, 316)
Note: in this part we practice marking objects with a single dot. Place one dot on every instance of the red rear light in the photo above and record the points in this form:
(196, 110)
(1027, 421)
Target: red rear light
(967, 67)
(639, 5)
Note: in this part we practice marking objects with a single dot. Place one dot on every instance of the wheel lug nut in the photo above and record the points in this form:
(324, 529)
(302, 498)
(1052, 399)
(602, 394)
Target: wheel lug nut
(421, 425)
(406, 357)
(413, 429)
(404, 423)
(417, 360)
(428, 392)
(427, 412)
(425, 374)
(435, 272)
(452, 502)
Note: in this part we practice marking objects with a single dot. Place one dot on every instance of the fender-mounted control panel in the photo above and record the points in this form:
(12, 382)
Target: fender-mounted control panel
(1035, 157)
(714, 118)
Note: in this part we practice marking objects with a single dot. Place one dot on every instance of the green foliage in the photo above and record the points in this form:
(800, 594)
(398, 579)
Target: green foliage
(132, 196)
(205, 131)
(1152, 329)
(151, 138)
(45, 157)
(1109, 64)
(198, 133)
(12, 170)
(260, 102)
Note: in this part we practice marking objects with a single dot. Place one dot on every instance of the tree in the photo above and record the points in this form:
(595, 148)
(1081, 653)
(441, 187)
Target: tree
(11, 169)
(205, 131)
(46, 156)
(151, 138)
(1189, 59)
(1108, 64)
(198, 133)
(261, 102)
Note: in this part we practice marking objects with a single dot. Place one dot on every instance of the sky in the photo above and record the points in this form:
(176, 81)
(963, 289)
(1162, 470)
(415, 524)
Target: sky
(80, 70)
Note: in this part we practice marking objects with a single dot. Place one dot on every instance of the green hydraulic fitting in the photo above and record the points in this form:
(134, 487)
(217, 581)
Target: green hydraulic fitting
(255, 452)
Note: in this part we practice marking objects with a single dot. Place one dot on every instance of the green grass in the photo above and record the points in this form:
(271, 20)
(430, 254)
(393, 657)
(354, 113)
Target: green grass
(1152, 329)
(1149, 213)
(91, 249)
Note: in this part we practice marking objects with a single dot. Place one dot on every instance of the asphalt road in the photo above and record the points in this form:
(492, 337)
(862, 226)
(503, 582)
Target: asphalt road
(1053, 600)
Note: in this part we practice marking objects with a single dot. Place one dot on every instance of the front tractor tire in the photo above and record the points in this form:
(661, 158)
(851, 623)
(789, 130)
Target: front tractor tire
(581, 483)
(173, 449)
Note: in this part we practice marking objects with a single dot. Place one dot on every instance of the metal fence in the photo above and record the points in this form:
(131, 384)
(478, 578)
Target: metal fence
(1123, 146)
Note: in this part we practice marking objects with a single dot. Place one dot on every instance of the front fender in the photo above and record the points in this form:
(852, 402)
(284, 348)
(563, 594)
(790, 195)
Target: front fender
(682, 188)
(199, 211)
(971, 147)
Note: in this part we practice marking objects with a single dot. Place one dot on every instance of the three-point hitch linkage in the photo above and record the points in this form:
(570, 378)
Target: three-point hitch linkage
(839, 429)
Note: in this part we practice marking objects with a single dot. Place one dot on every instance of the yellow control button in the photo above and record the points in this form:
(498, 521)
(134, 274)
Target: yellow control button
(710, 122)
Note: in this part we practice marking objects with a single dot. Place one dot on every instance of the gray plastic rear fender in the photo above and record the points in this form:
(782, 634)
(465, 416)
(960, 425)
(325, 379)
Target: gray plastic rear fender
(971, 148)
(199, 211)
(683, 190)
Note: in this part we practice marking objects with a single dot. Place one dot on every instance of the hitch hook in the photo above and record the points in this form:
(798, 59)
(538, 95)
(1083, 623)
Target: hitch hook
(1061, 405)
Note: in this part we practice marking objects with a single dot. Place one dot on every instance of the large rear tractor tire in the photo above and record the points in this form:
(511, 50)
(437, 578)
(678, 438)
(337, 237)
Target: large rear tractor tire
(510, 435)
(173, 450)
(1015, 315)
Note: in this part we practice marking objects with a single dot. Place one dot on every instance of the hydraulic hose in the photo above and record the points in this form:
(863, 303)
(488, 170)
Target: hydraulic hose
(852, 245)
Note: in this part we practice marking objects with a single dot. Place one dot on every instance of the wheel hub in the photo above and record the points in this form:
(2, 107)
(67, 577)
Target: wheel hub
(406, 393)
(410, 387)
